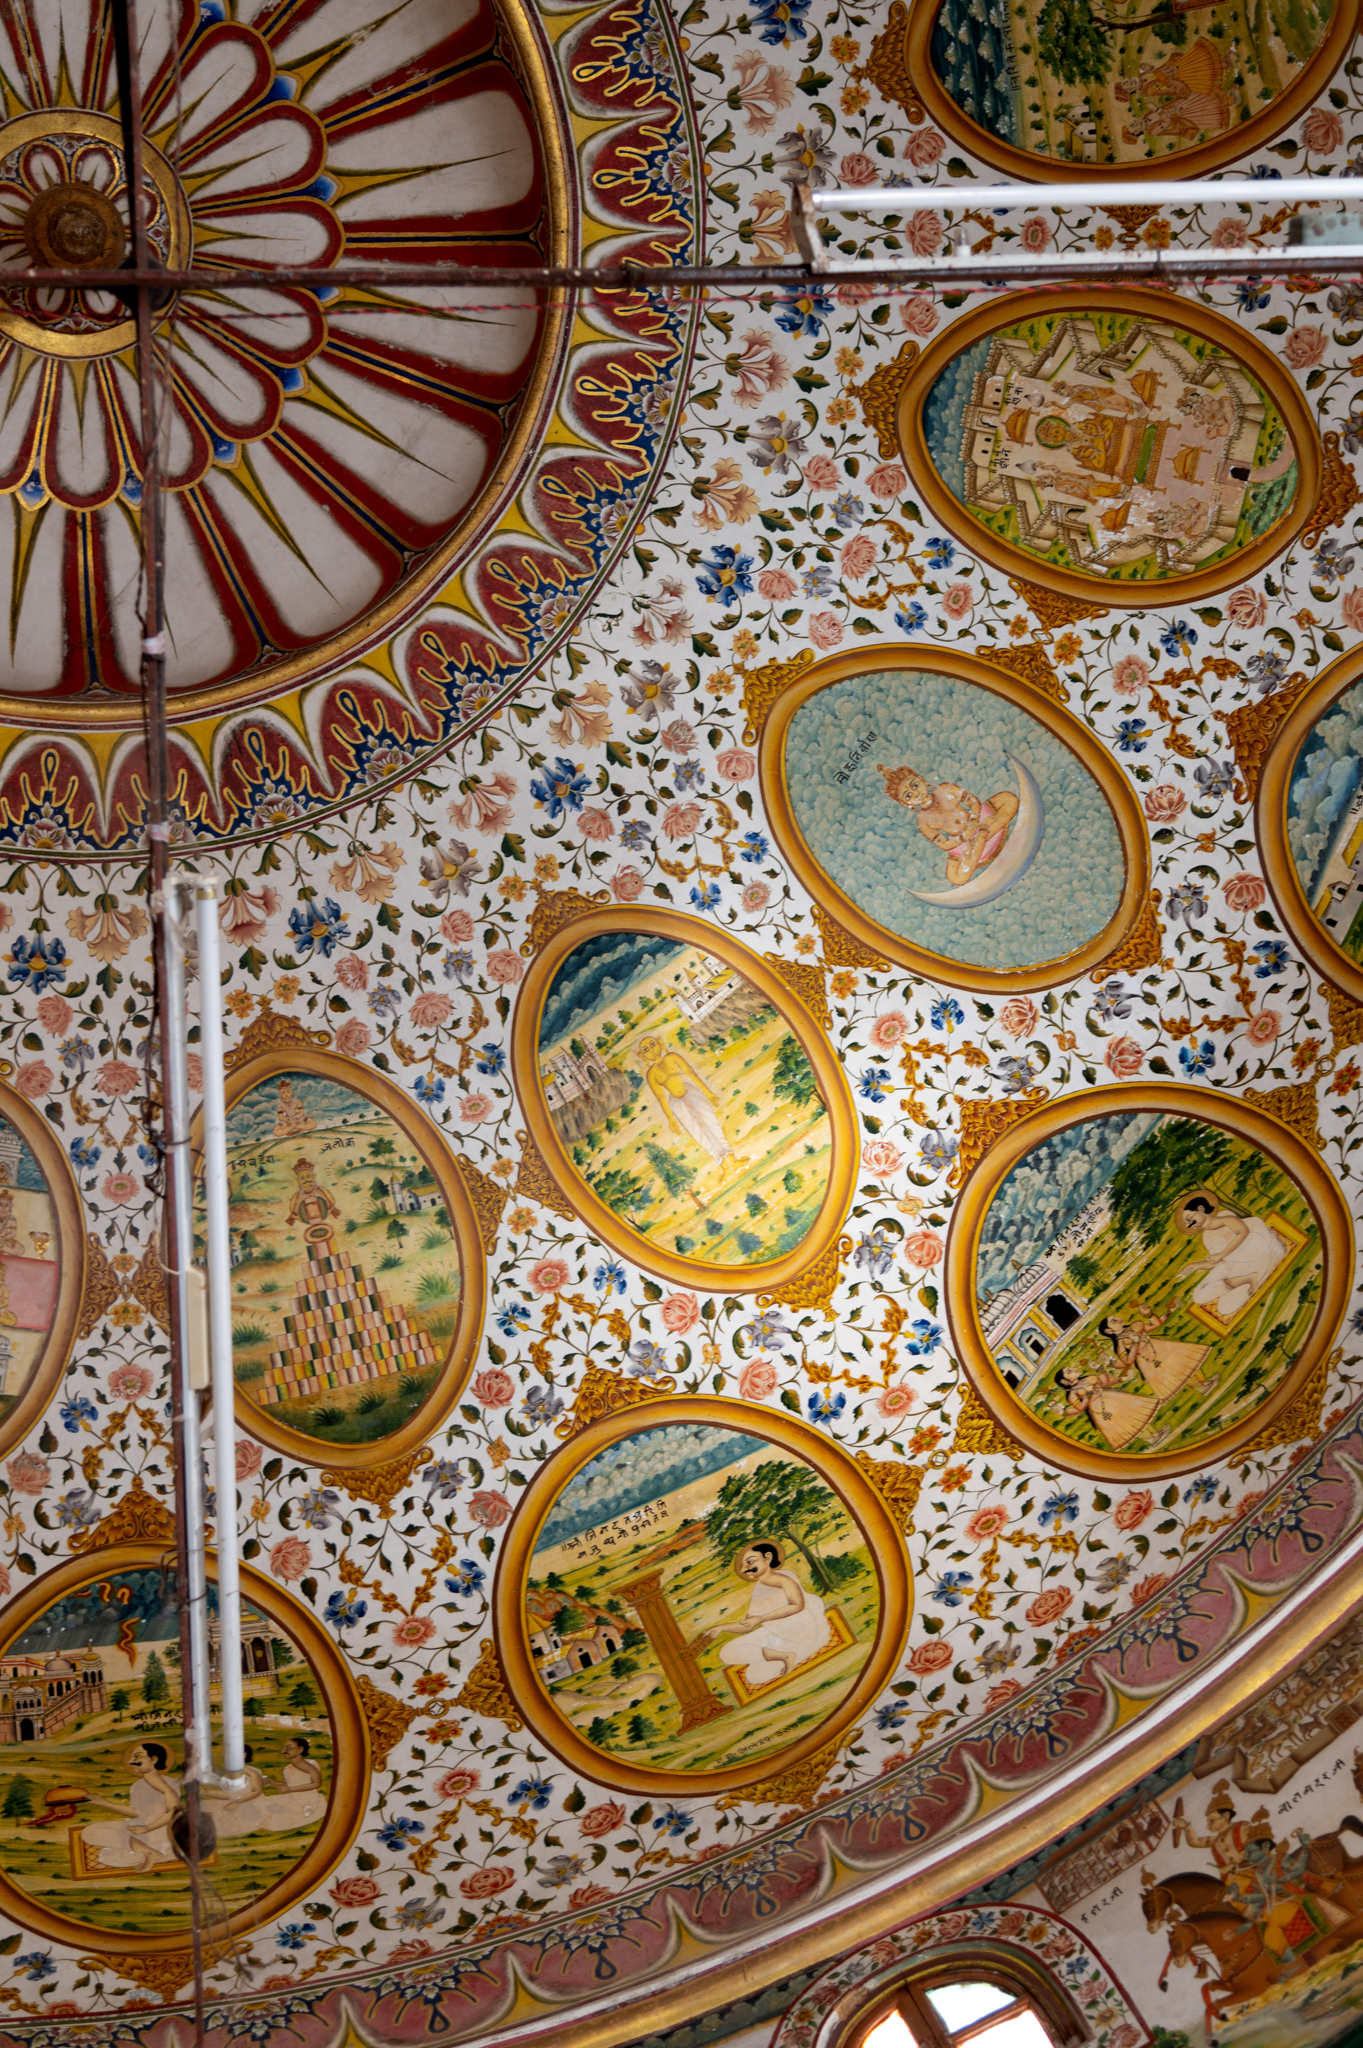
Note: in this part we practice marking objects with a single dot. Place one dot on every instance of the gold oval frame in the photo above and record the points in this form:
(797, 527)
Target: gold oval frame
(350, 1737)
(1014, 561)
(840, 1472)
(1280, 870)
(443, 1162)
(1204, 1105)
(1031, 168)
(72, 1264)
(1058, 721)
(579, 1198)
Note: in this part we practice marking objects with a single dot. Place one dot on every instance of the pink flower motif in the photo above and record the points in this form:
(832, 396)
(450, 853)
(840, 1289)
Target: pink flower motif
(825, 629)
(923, 233)
(485, 1884)
(352, 972)
(596, 825)
(589, 1895)
(1018, 1016)
(1133, 1508)
(680, 1313)
(117, 1077)
(1164, 803)
(1230, 234)
(754, 897)
(505, 967)
(413, 1632)
(1034, 235)
(28, 1473)
(1263, 1027)
(776, 585)
(1049, 1606)
(194, 1069)
(457, 927)
(355, 1891)
(129, 1382)
(1124, 1057)
(1243, 892)
(1352, 610)
(489, 1510)
(121, 1187)
(881, 1158)
(244, 917)
(1146, 1589)
(757, 1379)
(918, 314)
(929, 1657)
(1246, 607)
(429, 1011)
(735, 765)
(290, 1558)
(857, 558)
(248, 1460)
(985, 1524)
(458, 1783)
(494, 1389)
(601, 1820)
(889, 1030)
(1000, 1694)
(548, 1275)
(923, 1248)
(627, 885)
(858, 169)
(1130, 675)
(887, 480)
(924, 148)
(821, 473)
(896, 1402)
(353, 1038)
(679, 737)
(681, 820)
(475, 1107)
(55, 1014)
(958, 600)
(1322, 132)
(33, 1079)
(1303, 347)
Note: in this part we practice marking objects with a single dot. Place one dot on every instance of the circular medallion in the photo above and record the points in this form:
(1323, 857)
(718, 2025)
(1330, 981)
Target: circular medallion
(1310, 816)
(42, 1266)
(1187, 462)
(1141, 1279)
(938, 806)
(696, 1595)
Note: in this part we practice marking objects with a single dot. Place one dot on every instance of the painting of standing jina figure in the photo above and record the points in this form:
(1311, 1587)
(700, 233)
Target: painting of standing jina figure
(1145, 1280)
(684, 1099)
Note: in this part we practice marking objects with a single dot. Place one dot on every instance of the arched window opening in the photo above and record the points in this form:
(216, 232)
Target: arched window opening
(980, 2003)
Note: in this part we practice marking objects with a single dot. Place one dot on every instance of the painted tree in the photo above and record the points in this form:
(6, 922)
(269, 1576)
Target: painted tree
(674, 1173)
(155, 1684)
(1170, 1161)
(18, 1800)
(1077, 43)
(794, 1078)
(774, 1500)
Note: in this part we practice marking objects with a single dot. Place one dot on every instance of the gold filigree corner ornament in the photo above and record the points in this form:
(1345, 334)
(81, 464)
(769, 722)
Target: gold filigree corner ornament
(534, 1180)
(1346, 1016)
(840, 949)
(388, 1718)
(148, 1286)
(1339, 492)
(887, 67)
(982, 1123)
(557, 908)
(1296, 1106)
(487, 1198)
(1142, 947)
(1030, 665)
(815, 1284)
(1052, 608)
(486, 1691)
(137, 1517)
(271, 1032)
(878, 397)
(898, 1484)
(605, 1393)
(1253, 728)
(796, 1787)
(806, 983)
(102, 1286)
(978, 1434)
(1300, 1420)
(762, 688)
(380, 1485)
(162, 1974)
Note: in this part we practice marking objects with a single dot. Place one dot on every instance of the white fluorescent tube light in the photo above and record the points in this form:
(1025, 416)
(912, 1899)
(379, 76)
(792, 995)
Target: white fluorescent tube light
(1093, 193)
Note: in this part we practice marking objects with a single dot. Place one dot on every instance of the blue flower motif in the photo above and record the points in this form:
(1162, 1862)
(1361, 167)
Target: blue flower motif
(817, 580)
(848, 511)
(940, 553)
(912, 619)
(428, 1088)
(1267, 171)
(826, 1407)
(804, 307)
(924, 1336)
(559, 789)
(77, 1054)
(1214, 778)
(948, 1588)
(1203, 1489)
(1178, 637)
(635, 835)
(1187, 902)
(512, 1319)
(491, 1059)
(674, 1820)
(891, 1716)
(78, 1510)
(945, 1014)
(344, 1610)
(727, 574)
(542, 1406)
(1250, 294)
(753, 846)
(1272, 957)
(318, 928)
(1112, 1001)
(939, 1148)
(76, 1411)
(36, 962)
(458, 964)
(874, 1250)
(534, 1792)
(83, 1154)
(778, 20)
(766, 1330)
(1132, 734)
(444, 1479)
(36, 1965)
(1196, 1060)
(874, 1083)
(645, 1360)
(1059, 1509)
(296, 1935)
(465, 1578)
(384, 1002)
(1016, 1074)
(399, 1834)
(690, 776)
(609, 1280)
(705, 897)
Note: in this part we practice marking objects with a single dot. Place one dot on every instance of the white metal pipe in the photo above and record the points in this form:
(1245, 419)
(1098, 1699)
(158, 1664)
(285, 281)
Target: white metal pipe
(1092, 192)
(220, 1328)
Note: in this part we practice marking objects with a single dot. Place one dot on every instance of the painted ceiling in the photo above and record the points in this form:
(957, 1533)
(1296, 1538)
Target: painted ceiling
(792, 918)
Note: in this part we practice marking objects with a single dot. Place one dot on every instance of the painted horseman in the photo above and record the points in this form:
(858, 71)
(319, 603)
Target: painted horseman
(1269, 1882)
